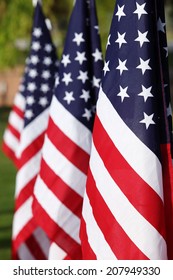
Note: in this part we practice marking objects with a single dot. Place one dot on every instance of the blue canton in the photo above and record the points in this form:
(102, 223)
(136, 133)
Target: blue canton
(42, 69)
(132, 70)
(81, 64)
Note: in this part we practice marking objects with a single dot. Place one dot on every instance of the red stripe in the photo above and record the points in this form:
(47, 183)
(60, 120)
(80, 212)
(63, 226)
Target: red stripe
(15, 132)
(25, 193)
(67, 258)
(122, 246)
(32, 149)
(18, 111)
(9, 153)
(87, 252)
(68, 148)
(14, 254)
(55, 233)
(168, 195)
(139, 193)
(62, 191)
(35, 248)
(26, 231)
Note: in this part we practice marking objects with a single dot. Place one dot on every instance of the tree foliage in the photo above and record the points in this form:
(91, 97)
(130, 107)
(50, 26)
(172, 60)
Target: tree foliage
(16, 18)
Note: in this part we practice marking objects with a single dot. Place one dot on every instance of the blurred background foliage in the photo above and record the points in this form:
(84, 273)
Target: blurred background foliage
(16, 23)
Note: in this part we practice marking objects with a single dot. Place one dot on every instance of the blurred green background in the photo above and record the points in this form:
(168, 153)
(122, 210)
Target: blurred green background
(15, 34)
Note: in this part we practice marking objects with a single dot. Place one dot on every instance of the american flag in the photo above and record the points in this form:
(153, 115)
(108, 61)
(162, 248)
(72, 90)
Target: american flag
(124, 203)
(11, 137)
(61, 183)
(28, 240)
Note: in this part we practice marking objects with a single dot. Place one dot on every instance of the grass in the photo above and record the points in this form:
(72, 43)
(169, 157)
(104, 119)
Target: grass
(7, 187)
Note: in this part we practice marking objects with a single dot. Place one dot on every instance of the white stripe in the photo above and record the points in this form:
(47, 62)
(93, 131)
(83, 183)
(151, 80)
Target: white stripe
(24, 253)
(96, 238)
(140, 231)
(19, 101)
(56, 253)
(27, 172)
(16, 121)
(42, 240)
(22, 216)
(57, 211)
(33, 130)
(139, 156)
(63, 168)
(10, 140)
(70, 126)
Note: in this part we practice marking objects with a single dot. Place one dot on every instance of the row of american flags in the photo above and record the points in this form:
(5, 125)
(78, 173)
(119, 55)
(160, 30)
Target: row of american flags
(91, 139)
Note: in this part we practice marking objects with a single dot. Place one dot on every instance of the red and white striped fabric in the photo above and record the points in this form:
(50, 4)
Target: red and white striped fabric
(15, 125)
(28, 240)
(126, 194)
(60, 185)
(61, 182)
(115, 225)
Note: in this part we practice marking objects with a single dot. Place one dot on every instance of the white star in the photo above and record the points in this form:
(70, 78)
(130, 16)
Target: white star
(29, 114)
(33, 73)
(97, 55)
(122, 66)
(148, 120)
(120, 12)
(78, 38)
(169, 110)
(66, 59)
(57, 80)
(96, 82)
(142, 38)
(97, 28)
(106, 67)
(108, 41)
(67, 78)
(46, 74)
(166, 49)
(69, 97)
(146, 92)
(80, 57)
(87, 114)
(31, 87)
(44, 88)
(161, 26)
(85, 95)
(48, 48)
(47, 61)
(83, 76)
(30, 100)
(36, 46)
(43, 101)
(140, 10)
(121, 39)
(37, 32)
(123, 93)
(144, 65)
(34, 59)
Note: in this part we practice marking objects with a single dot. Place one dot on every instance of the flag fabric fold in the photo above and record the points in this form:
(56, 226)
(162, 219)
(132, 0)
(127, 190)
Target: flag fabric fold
(11, 137)
(124, 204)
(59, 188)
(28, 240)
